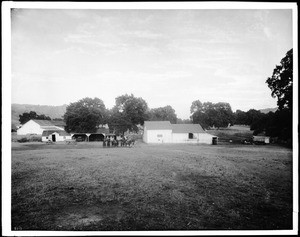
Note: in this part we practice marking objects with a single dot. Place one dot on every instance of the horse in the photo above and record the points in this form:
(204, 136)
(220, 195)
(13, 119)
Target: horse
(130, 142)
(114, 143)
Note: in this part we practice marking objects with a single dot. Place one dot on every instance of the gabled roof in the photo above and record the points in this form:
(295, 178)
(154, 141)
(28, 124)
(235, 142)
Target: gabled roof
(49, 122)
(43, 122)
(51, 127)
(58, 123)
(158, 125)
(176, 128)
(187, 128)
(60, 132)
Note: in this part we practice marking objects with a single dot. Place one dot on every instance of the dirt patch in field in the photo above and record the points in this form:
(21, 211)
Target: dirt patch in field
(77, 217)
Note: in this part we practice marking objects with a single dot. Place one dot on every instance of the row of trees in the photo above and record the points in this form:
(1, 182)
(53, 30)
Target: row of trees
(129, 111)
(209, 114)
(25, 117)
(278, 124)
(87, 114)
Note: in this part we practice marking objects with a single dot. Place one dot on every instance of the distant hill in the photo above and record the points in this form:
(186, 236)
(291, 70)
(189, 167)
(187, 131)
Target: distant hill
(48, 110)
(265, 111)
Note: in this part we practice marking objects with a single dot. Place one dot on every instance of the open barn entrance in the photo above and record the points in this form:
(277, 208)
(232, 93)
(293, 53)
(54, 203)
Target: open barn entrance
(80, 137)
(96, 137)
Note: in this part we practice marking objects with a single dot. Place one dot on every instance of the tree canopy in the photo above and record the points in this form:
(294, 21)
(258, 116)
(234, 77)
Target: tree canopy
(208, 114)
(166, 113)
(276, 124)
(240, 117)
(128, 112)
(85, 115)
(25, 117)
(184, 121)
(281, 82)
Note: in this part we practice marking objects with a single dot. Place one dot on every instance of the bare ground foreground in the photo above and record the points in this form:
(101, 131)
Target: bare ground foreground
(151, 187)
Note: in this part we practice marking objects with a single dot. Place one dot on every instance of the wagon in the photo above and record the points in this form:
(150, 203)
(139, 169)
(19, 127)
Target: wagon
(112, 140)
(261, 140)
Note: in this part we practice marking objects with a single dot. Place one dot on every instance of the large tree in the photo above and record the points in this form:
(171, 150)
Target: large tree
(85, 115)
(128, 112)
(166, 113)
(278, 124)
(201, 118)
(25, 117)
(208, 114)
(119, 123)
(197, 106)
(281, 82)
(281, 85)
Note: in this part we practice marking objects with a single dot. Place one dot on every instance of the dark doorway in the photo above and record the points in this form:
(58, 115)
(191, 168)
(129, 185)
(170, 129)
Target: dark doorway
(96, 137)
(53, 138)
(80, 137)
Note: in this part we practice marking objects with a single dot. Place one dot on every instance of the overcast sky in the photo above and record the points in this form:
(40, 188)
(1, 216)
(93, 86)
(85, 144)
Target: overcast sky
(167, 57)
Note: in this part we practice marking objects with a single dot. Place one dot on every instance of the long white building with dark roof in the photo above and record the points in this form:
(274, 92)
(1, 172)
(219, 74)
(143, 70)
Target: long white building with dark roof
(165, 132)
(35, 126)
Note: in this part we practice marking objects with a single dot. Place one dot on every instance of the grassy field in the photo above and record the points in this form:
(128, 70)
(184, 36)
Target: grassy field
(151, 187)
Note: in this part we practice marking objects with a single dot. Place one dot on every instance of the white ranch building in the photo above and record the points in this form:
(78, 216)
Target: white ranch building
(37, 127)
(165, 132)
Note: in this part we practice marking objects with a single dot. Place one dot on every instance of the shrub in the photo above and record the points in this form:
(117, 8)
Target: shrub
(35, 138)
(23, 139)
(27, 138)
(14, 139)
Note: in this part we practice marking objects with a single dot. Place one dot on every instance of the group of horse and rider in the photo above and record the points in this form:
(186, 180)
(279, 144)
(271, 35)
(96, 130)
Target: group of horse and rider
(111, 140)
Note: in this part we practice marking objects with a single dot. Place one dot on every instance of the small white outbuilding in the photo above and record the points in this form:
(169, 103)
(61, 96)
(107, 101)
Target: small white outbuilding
(55, 136)
(165, 132)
